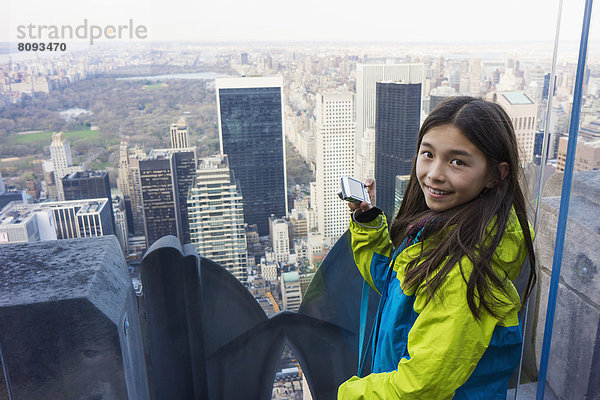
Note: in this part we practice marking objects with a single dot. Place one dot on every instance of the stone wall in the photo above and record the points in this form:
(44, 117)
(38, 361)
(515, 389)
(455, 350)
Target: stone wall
(574, 370)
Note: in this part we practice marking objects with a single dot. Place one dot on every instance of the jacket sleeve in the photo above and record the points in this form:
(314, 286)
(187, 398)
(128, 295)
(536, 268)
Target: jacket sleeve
(372, 249)
(444, 346)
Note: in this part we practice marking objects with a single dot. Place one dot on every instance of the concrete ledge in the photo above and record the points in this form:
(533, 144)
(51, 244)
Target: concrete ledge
(70, 327)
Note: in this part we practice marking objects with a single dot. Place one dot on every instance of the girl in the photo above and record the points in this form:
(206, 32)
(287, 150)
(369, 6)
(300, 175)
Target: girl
(447, 324)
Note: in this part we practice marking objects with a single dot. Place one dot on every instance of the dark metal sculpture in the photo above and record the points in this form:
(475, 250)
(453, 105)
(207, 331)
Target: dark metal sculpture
(210, 339)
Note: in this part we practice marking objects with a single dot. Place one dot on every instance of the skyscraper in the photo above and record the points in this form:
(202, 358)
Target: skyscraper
(179, 135)
(136, 197)
(367, 75)
(122, 178)
(165, 179)
(335, 158)
(216, 216)
(159, 199)
(396, 130)
(60, 153)
(523, 113)
(130, 185)
(475, 81)
(121, 230)
(250, 114)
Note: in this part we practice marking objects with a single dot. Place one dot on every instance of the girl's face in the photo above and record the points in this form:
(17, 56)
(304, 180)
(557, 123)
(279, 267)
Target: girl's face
(450, 169)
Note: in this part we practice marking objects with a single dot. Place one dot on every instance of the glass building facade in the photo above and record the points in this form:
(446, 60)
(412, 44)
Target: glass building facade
(251, 135)
(157, 191)
(398, 111)
(165, 179)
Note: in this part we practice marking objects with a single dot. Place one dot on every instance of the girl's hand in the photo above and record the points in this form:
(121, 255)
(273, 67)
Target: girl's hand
(364, 206)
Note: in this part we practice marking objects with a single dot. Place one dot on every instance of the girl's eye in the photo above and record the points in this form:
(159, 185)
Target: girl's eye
(427, 154)
(457, 162)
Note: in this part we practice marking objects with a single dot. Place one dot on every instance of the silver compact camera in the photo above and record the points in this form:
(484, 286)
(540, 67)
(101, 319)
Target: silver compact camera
(353, 190)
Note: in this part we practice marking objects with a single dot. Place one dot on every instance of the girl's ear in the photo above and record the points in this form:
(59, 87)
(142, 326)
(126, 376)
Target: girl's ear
(503, 169)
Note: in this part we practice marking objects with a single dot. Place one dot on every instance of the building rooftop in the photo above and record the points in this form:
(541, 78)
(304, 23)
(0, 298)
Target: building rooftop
(516, 98)
(16, 212)
(291, 277)
(590, 131)
(85, 174)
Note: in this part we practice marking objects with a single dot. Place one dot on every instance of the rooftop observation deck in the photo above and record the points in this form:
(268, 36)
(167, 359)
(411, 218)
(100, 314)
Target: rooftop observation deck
(71, 326)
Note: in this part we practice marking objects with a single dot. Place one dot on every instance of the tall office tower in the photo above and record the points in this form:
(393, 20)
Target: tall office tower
(136, 196)
(184, 164)
(475, 81)
(464, 78)
(123, 183)
(280, 239)
(216, 216)
(88, 185)
(123, 176)
(165, 178)
(2, 187)
(60, 153)
(121, 229)
(250, 113)
(179, 135)
(158, 199)
(130, 185)
(335, 158)
(367, 75)
(396, 131)
(523, 113)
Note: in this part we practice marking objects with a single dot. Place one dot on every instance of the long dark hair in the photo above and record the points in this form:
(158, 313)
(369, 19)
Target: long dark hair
(463, 230)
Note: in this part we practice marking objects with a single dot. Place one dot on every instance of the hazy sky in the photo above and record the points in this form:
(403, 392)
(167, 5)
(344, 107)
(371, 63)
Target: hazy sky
(313, 20)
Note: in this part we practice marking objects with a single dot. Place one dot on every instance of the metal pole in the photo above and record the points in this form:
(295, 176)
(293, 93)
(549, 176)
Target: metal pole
(564, 201)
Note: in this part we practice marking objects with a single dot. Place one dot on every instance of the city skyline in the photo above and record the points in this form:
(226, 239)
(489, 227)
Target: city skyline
(119, 126)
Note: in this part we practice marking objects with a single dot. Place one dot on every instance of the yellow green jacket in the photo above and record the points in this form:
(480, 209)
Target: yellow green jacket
(437, 349)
